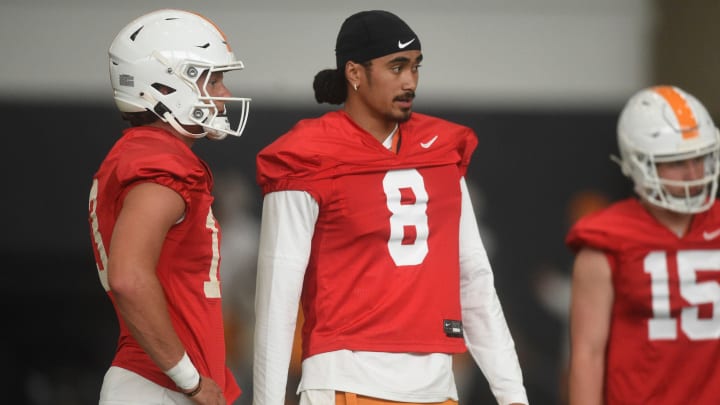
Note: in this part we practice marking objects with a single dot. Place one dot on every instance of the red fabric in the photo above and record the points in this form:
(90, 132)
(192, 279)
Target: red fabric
(679, 364)
(375, 280)
(189, 259)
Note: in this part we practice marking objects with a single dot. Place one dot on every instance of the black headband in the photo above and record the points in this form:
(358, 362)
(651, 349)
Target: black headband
(371, 34)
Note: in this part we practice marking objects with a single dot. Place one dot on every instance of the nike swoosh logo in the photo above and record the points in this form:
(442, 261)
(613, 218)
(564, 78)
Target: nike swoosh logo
(403, 45)
(711, 235)
(432, 141)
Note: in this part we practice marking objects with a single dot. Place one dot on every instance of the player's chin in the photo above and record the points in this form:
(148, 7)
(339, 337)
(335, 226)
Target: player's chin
(403, 114)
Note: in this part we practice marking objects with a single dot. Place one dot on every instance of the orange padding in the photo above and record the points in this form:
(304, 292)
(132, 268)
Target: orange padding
(348, 398)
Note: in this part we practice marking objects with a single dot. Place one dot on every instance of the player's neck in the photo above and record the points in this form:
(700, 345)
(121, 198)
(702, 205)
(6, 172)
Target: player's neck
(676, 222)
(164, 125)
(378, 127)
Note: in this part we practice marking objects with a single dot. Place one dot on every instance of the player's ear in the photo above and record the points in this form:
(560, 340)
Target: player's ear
(352, 72)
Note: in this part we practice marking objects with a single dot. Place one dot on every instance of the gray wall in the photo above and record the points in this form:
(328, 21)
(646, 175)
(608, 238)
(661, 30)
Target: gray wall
(536, 53)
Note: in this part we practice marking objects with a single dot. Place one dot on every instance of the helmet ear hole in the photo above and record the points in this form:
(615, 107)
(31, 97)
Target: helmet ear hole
(163, 88)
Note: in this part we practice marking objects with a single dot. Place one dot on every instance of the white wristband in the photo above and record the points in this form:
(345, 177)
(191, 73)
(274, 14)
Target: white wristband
(184, 373)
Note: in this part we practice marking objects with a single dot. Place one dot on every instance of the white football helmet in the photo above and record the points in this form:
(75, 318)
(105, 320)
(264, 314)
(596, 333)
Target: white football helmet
(173, 48)
(666, 124)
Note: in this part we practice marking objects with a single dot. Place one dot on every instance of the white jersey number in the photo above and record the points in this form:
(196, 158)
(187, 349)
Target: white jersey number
(407, 201)
(102, 265)
(211, 287)
(662, 326)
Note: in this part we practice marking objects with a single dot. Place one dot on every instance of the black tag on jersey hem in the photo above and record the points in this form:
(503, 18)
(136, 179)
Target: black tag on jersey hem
(452, 328)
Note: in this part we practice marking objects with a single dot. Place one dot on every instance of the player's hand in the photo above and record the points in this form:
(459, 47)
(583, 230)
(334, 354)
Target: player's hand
(209, 394)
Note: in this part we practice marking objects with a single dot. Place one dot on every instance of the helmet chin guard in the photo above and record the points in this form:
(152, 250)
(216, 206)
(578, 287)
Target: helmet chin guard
(665, 124)
(158, 62)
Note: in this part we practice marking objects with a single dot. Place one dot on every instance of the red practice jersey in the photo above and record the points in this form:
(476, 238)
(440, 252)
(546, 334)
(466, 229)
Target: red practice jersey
(664, 345)
(383, 273)
(190, 258)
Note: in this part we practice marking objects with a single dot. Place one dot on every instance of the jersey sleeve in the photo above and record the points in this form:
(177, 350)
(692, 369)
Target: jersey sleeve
(297, 161)
(166, 168)
(614, 228)
(588, 232)
(282, 170)
(467, 147)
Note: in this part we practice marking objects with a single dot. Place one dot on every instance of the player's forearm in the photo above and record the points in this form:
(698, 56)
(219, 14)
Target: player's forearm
(141, 303)
(149, 210)
(586, 381)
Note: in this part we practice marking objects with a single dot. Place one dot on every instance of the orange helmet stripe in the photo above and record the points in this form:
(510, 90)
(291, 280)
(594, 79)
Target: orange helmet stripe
(222, 34)
(681, 109)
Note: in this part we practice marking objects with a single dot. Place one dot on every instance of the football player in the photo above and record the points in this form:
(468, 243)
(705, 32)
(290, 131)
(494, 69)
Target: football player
(644, 321)
(367, 220)
(155, 239)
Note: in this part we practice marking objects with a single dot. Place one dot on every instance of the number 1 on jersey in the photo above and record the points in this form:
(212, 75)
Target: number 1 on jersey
(97, 238)
(212, 287)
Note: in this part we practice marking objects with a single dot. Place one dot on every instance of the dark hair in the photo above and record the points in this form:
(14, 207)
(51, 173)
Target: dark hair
(330, 86)
(138, 119)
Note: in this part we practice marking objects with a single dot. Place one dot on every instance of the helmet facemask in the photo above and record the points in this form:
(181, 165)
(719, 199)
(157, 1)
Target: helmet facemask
(657, 190)
(203, 111)
(207, 115)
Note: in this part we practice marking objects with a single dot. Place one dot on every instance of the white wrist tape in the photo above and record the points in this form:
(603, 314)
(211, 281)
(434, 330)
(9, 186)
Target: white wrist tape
(184, 373)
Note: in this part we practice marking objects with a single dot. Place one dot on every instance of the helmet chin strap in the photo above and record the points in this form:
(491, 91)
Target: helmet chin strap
(210, 132)
(170, 119)
(161, 109)
(167, 116)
